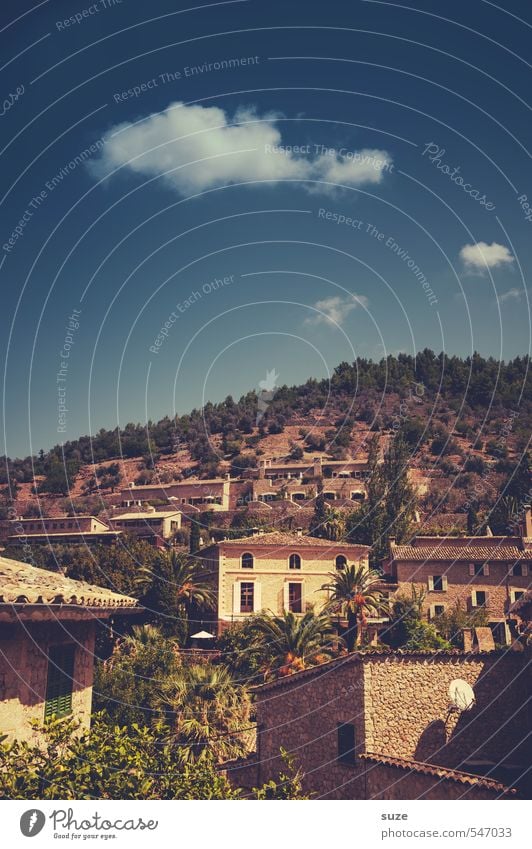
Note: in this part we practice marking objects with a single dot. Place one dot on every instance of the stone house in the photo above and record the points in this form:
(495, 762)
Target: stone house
(202, 494)
(153, 526)
(477, 572)
(47, 632)
(380, 725)
(274, 571)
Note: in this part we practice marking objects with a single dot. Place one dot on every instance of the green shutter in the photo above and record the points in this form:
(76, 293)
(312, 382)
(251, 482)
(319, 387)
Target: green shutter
(59, 682)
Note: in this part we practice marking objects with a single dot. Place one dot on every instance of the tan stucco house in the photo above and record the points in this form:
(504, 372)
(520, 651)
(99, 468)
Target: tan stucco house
(274, 571)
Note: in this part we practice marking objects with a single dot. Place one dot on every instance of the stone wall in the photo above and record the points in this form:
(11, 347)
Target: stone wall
(460, 585)
(23, 673)
(399, 707)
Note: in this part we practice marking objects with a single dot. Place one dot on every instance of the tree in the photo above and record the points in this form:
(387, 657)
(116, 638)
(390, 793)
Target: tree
(354, 595)
(319, 517)
(289, 643)
(241, 654)
(195, 536)
(126, 684)
(175, 586)
(407, 630)
(207, 712)
(450, 624)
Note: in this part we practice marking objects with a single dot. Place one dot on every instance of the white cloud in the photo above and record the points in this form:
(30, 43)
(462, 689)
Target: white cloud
(335, 309)
(225, 150)
(480, 256)
(511, 295)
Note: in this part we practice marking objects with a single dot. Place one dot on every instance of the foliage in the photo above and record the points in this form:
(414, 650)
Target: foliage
(241, 654)
(353, 595)
(208, 714)
(126, 684)
(407, 630)
(172, 589)
(289, 643)
(288, 786)
(450, 625)
(109, 762)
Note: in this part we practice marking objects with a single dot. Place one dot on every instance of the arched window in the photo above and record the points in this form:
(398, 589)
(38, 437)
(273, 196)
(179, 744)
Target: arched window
(294, 561)
(247, 560)
(341, 562)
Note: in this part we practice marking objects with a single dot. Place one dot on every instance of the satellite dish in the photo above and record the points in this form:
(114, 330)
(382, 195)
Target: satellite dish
(461, 695)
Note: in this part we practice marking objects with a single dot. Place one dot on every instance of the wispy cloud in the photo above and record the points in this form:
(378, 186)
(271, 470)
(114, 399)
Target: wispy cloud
(480, 256)
(334, 310)
(511, 295)
(194, 148)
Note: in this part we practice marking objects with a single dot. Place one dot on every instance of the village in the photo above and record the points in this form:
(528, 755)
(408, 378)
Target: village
(385, 671)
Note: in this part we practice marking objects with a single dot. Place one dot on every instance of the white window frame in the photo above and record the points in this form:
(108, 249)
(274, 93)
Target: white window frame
(295, 568)
(286, 596)
(474, 599)
(430, 583)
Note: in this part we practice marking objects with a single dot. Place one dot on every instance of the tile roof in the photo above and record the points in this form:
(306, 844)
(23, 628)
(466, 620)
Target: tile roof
(461, 548)
(155, 514)
(438, 771)
(21, 583)
(282, 539)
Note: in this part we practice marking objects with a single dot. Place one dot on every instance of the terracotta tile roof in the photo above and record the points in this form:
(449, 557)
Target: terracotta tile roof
(461, 548)
(21, 583)
(282, 539)
(438, 772)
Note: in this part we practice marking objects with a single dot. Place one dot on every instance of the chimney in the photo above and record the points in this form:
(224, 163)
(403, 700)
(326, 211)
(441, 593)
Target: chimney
(317, 467)
(299, 532)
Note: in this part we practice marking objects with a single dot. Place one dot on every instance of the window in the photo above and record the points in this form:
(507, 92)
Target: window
(519, 570)
(329, 496)
(480, 598)
(59, 681)
(515, 595)
(295, 598)
(298, 496)
(340, 562)
(436, 610)
(247, 560)
(346, 743)
(356, 495)
(246, 597)
(478, 569)
(437, 583)
(294, 561)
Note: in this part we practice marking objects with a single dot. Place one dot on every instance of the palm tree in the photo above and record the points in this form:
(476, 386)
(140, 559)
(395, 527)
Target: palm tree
(291, 642)
(353, 595)
(173, 587)
(208, 712)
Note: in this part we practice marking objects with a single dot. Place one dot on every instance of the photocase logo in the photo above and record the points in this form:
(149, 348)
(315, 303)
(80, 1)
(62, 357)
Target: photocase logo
(32, 822)
(267, 391)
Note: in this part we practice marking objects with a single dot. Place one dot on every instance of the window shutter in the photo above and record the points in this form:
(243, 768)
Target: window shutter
(286, 601)
(236, 597)
(472, 569)
(474, 598)
(486, 569)
(524, 569)
(431, 611)
(444, 583)
(257, 597)
(431, 583)
(59, 682)
(302, 597)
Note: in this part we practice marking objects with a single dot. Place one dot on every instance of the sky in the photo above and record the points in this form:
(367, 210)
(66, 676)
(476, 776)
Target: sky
(196, 196)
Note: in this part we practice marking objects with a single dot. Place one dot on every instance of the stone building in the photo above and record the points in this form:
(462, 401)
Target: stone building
(382, 726)
(47, 632)
(477, 572)
(203, 494)
(153, 526)
(274, 571)
(59, 529)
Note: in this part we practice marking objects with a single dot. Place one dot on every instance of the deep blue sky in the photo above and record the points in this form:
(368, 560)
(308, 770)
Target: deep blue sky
(125, 249)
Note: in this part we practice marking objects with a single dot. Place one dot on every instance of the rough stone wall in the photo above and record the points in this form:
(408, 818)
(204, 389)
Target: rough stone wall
(460, 585)
(386, 782)
(406, 707)
(400, 707)
(23, 673)
(303, 719)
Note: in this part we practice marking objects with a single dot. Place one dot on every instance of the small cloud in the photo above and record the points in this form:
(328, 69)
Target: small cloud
(511, 295)
(335, 310)
(480, 256)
